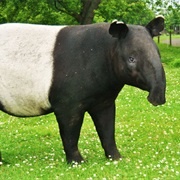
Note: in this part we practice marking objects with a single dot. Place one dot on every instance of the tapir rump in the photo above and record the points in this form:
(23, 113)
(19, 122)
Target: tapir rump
(70, 70)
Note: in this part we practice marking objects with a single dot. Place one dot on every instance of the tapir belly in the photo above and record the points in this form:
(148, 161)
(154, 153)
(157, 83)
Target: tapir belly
(25, 89)
(26, 68)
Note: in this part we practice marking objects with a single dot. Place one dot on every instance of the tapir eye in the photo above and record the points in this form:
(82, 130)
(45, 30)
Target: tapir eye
(132, 59)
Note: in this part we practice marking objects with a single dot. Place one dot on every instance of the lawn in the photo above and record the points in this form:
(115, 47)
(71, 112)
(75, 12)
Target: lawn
(170, 55)
(148, 137)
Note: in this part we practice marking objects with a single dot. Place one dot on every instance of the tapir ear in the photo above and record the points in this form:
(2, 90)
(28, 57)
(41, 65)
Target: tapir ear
(156, 26)
(118, 29)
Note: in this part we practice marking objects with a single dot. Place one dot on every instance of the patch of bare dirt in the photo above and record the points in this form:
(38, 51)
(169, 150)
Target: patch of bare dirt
(175, 42)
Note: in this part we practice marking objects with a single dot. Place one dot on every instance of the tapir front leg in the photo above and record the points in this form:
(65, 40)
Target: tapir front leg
(104, 121)
(70, 125)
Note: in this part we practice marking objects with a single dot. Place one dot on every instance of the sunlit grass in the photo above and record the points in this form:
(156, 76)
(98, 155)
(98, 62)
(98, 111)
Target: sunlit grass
(170, 54)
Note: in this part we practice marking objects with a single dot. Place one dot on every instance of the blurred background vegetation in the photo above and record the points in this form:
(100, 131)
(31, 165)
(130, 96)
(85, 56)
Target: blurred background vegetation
(89, 11)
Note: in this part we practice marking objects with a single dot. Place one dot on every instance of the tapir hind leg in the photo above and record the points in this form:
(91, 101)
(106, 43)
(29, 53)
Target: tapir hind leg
(70, 126)
(104, 121)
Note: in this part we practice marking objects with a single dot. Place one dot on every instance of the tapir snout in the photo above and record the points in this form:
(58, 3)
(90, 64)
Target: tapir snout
(157, 96)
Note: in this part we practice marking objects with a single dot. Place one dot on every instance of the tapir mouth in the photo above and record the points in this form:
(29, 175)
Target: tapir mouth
(154, 103)
(157, 97)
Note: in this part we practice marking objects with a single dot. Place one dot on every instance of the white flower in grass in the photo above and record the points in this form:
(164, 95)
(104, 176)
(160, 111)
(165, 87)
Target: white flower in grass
(115, 162)
(18, 165)
(108, 163)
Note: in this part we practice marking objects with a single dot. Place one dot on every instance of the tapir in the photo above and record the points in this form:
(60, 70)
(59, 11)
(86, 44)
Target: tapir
(70, 70)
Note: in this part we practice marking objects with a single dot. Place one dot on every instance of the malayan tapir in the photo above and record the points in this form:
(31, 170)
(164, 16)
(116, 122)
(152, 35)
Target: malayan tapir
(70, 70)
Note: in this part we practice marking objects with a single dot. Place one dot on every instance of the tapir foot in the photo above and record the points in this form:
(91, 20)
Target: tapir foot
(74, 158)
(114, 155)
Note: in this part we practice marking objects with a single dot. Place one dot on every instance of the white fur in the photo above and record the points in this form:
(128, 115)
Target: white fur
(26, 67)
(160, 16)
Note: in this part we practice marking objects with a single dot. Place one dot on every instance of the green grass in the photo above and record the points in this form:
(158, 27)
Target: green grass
(147, 137)
(170, 55)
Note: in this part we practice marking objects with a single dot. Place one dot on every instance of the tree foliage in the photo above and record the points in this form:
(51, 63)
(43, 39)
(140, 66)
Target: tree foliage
(30, 11)
(130, 11)
(87, 11)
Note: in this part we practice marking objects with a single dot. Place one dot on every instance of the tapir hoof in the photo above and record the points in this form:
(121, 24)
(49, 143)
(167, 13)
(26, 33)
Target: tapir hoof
(75, 161)
(114, 157)
(75, 158)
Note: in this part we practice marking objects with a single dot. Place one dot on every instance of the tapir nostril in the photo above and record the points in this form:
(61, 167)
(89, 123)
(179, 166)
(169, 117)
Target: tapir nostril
(156, 98)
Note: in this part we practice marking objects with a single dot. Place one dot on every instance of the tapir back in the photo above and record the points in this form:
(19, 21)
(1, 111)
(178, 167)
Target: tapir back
(26, 66)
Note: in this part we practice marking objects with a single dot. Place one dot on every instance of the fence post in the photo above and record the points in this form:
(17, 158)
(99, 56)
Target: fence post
(170, 36)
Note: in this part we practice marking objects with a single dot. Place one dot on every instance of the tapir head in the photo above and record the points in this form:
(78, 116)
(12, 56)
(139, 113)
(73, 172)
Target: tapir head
(138, 59)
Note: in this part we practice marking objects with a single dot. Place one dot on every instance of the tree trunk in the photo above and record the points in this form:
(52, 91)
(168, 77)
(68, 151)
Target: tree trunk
(86, 14)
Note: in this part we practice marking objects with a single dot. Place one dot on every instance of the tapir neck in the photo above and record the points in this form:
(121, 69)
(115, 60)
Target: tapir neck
(116, 65)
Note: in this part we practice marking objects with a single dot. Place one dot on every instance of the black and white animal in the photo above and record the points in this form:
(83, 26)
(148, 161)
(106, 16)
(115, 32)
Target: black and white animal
(70, 70)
